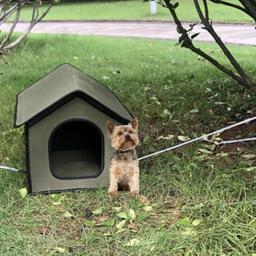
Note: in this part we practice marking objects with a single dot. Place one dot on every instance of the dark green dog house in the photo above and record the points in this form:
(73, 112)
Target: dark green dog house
(65, 115)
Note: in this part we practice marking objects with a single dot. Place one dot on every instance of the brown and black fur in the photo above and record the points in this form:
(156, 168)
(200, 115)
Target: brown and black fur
(124, 167)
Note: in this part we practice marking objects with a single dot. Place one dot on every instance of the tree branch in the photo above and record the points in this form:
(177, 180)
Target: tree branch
(250, 6)
(230, 5)
(187, 42)
(220, 43)
(35, 18)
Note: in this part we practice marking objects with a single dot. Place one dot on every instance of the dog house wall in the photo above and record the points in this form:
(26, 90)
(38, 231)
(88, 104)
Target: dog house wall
(40, 133)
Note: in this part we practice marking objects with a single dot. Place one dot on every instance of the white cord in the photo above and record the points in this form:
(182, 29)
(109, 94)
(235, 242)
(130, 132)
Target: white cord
(248, 120)
(8, 168)
(232, 141)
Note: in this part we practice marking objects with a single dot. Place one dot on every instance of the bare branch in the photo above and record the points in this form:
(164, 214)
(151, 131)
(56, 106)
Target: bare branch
(29, 28)
(10, 32)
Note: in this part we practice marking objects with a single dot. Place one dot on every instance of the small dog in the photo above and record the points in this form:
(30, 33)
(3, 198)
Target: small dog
(124, 167)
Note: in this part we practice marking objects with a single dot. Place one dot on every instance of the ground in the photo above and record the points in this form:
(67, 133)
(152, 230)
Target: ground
(135, 10)
(199, 200)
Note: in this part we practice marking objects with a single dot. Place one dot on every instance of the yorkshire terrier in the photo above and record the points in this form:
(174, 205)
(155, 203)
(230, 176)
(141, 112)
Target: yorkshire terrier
(124, 167)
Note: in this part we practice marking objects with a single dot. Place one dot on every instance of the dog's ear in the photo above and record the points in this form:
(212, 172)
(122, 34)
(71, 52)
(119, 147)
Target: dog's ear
(135, 123)
(111, 127)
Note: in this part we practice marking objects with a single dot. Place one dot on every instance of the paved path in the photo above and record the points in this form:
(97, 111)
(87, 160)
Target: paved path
(230, 33)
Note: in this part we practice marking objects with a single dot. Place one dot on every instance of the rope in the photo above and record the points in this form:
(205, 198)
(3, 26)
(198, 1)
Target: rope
(8, 168)
(232, 141)
(203, 137)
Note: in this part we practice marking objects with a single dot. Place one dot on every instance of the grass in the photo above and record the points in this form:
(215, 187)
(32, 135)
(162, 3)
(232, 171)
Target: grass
(197, 203)
(135, 10)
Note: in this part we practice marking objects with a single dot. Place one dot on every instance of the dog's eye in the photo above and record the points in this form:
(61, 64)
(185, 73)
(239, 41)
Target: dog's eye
(130, 131)
(120, 133)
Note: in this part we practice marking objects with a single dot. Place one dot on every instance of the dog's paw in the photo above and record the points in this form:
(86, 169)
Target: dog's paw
(135, 193)
(112, 194)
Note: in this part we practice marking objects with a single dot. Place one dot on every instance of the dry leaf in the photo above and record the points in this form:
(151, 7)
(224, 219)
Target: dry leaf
(183, 138)
(133, 242)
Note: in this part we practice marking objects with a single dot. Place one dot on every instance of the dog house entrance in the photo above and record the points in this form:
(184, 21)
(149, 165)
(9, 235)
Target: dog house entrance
(75, 150)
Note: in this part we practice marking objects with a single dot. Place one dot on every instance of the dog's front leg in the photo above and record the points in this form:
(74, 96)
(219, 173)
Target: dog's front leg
(134, 181)
(113, 182)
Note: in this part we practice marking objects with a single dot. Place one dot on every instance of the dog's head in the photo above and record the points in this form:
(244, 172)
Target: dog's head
(124, 137)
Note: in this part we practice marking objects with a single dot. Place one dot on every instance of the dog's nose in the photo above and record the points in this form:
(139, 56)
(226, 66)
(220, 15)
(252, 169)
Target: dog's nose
(127, 136)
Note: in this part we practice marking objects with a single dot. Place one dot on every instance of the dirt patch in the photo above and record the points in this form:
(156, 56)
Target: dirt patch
(71, 228)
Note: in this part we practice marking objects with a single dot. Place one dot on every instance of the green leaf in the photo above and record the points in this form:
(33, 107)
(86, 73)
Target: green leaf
(98, 211)
(121, 224)
(107, 223)
(89, 223)
(122, 215)
(23, 192)
(196, 222)
(176, 5)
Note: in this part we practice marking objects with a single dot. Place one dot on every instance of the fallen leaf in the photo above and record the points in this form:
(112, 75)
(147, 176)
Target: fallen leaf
(248, 156)
(89, 223)
(23, 192)
(56, 203)
(193, 111)
(133, 242)
(98, 211)
(121, 224)
(107, 223)
(188, 232)
(122, 215)
(118, 209)
(132, 225)
(168, 137)
(120, 230)
(43, 230)
(148, 208)
(183, 138)
(250, 169)
(165, 113)
(205, 151)
(67, 214)
(143, 200)
(60, 249)
(196, 222)
(132, 214)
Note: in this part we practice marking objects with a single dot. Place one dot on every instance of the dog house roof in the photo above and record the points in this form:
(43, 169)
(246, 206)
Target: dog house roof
(60, 84)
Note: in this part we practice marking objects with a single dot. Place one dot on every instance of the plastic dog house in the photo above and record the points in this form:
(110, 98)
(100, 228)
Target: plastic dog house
(65, 115)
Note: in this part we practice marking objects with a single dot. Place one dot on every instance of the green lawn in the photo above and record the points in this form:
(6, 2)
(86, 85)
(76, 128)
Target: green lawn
(134, 10)
(200, 202)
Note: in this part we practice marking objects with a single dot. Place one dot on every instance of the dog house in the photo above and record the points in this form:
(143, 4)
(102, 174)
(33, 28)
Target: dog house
(65, 115)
